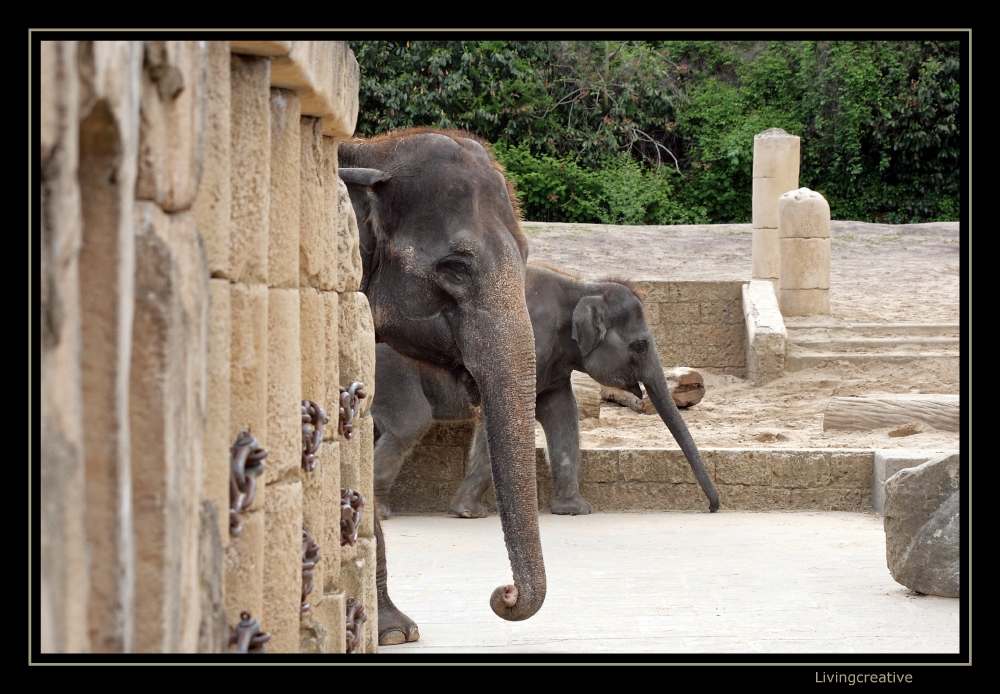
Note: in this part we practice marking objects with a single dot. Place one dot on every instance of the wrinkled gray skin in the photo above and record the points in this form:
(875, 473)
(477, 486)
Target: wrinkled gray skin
(443, 260)
(595, 327)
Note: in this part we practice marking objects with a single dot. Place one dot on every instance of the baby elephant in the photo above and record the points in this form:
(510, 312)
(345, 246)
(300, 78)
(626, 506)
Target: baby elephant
(595, 327)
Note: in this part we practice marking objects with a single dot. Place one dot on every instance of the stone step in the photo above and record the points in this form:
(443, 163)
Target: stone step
(801, 361)
(854, 343)
(874, 328)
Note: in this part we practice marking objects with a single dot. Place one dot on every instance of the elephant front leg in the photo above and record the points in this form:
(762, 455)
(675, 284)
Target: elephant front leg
(556, 411)
(394, 627)
(468, 501)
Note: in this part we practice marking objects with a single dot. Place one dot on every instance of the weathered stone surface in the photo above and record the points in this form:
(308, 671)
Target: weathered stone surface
(314, 513)
(332, 614)
(347, 76)
(804, 214)
(775, 154)
(213, 631)
(283, 566)
(286, 160)
(887, 463)
(766, 334)
(244, 567)
(805, 264)
(599, 465)
(284, 387)
(656, 465)
(270, 49)
(922, 526)
(357, 579)
(356, 331)
(349, 269)
(167, 413)
(312, 331)
(65, 583)
(329, 279)
(212, 204)
(328, 457)
(317, 236)
(740, 467)
(215, 476)
(764, 203)
(804, 302)
(250, 167)
(313, 637)
(775, 171)
(799, 470)
(172, 128)
(248, 375)
(356, 468)
(331, 316)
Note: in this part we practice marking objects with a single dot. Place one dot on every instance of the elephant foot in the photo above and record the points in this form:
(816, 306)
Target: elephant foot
(464, 507)
(394, 627)
(574, 506)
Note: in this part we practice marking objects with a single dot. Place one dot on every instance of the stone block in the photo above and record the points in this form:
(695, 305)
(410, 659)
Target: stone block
(678, 314)
(308, 69)
(356, 333)
(422, 496)
(250, 166)
(826, 499)
(804, 302)
(248, 375)
(775, 154)
(436, 463)
(331, 316)
(269, 49)
(331, 207)
(172, 123)
(313, 636)
(764, 204)
(744, 497)
(284, 387)
(793, 469)
(314, 515)
(739, 466)
(213, 632)
(349, 269)
(212, 204)
(283, 566)
(923, 526)
(803, 214)
(644, 496)
(765, 255)
(328, 457)
(357, 580)
(851, 469)
(167, 413)
(886, 463)
(244, 569)
(218, 437)
(347, 77)
(599, 465)
(356, 468)
(332, 614)
(805, 264)
(286, 160)
(766, 333)
(317, 236)
(312, 332)
(63, 558)
(655, 465)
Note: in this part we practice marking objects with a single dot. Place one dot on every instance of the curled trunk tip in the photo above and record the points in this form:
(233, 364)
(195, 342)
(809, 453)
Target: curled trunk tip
(509, 603)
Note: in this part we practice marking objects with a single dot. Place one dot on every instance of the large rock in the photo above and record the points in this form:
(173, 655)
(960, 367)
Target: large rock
(922, 526)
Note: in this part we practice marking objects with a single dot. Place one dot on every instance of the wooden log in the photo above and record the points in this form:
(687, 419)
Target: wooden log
(877, 411)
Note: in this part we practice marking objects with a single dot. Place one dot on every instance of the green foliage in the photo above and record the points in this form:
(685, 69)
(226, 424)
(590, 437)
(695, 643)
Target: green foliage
(640, 132)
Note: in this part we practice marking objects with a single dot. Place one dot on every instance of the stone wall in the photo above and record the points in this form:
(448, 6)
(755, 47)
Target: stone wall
(654, 479)
(200, 276)
(697, 324)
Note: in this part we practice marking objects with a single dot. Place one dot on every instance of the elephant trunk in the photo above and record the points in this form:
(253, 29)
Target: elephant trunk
(499, 353)
(659, 395)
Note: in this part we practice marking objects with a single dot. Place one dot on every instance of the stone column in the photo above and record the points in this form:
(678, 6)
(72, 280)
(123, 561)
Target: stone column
(775, 172)
(804, 235)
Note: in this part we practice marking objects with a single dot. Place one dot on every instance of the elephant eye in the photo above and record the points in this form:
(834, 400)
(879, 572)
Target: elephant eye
(639, 346)
(454, 269)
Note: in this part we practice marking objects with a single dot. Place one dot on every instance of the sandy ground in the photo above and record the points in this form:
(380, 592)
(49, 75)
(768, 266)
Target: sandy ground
(878, 274)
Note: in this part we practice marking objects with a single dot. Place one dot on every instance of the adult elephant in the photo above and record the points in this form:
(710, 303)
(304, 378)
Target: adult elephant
(598, 328)
(443, 268)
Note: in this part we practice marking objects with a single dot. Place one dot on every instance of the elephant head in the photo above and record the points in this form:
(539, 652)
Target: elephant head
(443, 269)
(618, 350)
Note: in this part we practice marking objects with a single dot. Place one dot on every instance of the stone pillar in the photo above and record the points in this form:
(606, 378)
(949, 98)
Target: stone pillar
(65, 580)
(775, 172)
(804, 236)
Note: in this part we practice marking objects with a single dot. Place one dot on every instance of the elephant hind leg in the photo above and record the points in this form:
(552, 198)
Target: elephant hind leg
(468, 500)
(394, 627)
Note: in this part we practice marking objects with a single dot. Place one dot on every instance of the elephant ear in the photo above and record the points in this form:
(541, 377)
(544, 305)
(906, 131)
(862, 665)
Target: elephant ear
(363, 177)
(360, 182)
(588, 323)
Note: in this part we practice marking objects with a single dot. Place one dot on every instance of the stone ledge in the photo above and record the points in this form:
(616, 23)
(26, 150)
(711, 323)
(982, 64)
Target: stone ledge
(766, 334)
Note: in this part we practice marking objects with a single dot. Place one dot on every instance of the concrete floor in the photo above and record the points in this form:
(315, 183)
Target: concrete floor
(678, 583)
